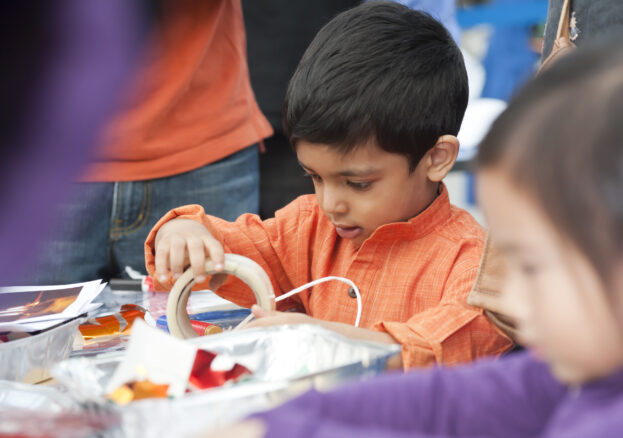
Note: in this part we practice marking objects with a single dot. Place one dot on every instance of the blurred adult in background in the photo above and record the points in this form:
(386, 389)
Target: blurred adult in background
(62, 66)
(188, 134)
(589, 19)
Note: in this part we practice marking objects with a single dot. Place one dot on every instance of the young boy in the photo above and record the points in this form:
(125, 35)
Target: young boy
(372, 112)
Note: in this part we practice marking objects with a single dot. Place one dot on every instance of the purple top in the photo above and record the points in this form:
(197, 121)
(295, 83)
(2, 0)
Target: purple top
(65, 90)
(515, 396)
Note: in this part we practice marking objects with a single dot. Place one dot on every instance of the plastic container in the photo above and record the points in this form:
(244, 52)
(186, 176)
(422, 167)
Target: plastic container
(29, 359)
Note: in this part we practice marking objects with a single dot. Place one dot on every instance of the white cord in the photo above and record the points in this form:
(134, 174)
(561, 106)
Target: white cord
(307, 286)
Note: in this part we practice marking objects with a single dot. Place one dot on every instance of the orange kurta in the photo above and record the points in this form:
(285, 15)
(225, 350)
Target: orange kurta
(190, 103)
(414, 277)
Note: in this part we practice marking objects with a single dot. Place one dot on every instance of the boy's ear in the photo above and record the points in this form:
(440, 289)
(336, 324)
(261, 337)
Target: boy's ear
(441, 157)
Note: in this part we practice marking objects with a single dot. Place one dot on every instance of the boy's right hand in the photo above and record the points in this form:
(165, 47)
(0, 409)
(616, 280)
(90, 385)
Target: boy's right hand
(182, 242)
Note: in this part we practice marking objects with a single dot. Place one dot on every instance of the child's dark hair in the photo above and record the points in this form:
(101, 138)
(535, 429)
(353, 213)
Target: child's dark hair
(560, 141)
(381, 72)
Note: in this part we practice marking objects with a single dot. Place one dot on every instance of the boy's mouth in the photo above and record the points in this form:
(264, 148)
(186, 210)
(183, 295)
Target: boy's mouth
(348, 232)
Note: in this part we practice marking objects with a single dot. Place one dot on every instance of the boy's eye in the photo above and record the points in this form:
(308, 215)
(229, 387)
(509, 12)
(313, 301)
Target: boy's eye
(359, 185)
(313, 176)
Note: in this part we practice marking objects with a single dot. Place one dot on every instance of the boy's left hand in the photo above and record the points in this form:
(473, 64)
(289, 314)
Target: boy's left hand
(265, 318)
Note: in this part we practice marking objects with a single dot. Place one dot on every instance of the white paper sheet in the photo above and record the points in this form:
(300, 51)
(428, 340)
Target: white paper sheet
(157, 356)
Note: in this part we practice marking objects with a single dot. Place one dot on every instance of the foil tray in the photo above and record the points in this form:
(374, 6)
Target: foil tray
(285, 361)
(48, 411)
(30, 359)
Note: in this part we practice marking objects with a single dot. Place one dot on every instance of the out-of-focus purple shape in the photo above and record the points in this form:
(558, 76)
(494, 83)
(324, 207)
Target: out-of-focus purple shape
(75, 56)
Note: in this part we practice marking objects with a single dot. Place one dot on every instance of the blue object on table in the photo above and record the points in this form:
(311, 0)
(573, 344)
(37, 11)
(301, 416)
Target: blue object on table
(225, 319)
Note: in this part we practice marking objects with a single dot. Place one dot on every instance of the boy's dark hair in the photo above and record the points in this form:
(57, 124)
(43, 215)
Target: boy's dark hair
(559, 141)
(382, 72)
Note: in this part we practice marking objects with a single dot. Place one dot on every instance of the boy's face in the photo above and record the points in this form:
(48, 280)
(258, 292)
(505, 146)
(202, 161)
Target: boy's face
(366, 188)
(550, 288)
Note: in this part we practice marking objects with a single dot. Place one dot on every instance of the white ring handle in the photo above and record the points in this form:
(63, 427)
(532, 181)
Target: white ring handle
(239, 266)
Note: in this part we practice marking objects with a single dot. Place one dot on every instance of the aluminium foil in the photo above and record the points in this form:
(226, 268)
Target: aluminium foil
(30, 359)
(285, 361)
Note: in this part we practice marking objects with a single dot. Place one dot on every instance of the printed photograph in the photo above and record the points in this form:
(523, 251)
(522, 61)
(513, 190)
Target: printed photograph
(15, 306)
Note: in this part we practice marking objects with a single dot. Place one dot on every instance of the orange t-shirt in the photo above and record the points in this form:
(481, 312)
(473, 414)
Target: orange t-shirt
(414, 277)
(191, 102)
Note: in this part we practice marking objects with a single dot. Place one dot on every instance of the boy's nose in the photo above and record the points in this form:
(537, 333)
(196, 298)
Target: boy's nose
(332, 203)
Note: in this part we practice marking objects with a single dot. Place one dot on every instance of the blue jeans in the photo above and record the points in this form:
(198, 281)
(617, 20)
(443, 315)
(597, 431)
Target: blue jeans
(104, 227)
